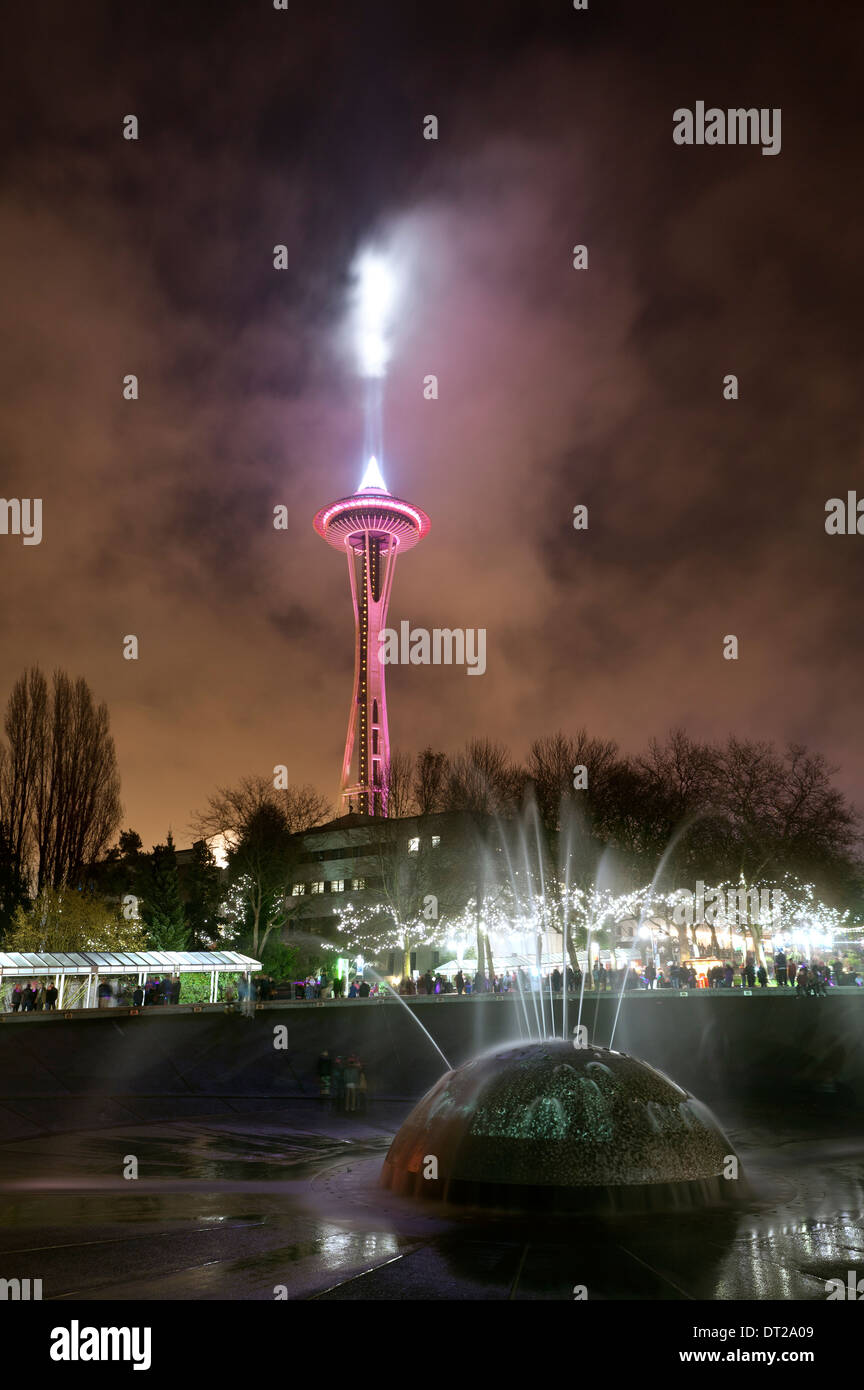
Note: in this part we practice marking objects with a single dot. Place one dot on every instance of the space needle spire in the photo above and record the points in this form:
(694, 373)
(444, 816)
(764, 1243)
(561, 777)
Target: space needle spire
(372, 527)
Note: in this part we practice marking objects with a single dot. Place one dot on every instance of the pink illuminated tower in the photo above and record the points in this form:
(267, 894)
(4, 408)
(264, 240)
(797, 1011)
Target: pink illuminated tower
(372, 527)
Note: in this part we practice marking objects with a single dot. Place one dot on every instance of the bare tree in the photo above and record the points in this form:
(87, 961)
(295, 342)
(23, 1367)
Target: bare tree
(485, 786)
(431, 775)
(484, 780)
(398, 781)
(26, 726)
(257, 822)
(421, 888)
(552, 764)
(230, 809)
(59, 785)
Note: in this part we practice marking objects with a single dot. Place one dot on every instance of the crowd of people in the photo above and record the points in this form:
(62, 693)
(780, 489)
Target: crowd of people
(156, 990)
(35, 996)
(264, 989)
(32, 997)
(811, 978)
(814, 978)
(520, 981)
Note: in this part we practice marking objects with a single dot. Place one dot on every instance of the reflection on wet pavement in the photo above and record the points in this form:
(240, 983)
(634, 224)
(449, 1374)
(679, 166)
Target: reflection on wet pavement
(287, 1206)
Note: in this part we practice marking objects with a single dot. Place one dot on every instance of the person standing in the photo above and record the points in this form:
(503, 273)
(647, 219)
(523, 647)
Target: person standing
(51, 997)
(790, 972)
(460, 982)
(780, 970)
(352, 1077)
(17, 997)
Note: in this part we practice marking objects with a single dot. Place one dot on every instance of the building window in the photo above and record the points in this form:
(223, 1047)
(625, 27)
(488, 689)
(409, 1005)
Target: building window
(337, 885)
(436, 840)
(316, 887)
(414, 845)
(298, 890)
(358, 884)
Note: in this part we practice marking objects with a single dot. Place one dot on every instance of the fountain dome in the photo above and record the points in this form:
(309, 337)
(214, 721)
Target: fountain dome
(548, 1125)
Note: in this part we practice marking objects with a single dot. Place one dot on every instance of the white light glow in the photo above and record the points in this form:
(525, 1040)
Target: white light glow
(219, 848)
(374, 300)
(373, 479)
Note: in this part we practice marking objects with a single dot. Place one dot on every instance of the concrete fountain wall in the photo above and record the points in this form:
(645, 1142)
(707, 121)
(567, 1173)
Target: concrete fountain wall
(109, 1068)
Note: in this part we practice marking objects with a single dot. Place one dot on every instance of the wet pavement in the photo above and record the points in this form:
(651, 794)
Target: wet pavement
(286, 1205)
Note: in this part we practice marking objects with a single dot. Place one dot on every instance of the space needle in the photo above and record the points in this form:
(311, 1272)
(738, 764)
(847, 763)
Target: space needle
(372, 528)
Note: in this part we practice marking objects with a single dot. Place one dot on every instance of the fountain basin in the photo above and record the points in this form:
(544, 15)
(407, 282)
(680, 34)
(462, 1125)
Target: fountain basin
(547, 1125)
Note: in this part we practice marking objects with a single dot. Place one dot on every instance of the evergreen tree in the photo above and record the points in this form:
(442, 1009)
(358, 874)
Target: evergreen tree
(259, 869)
(120, 873)
(162, 905)
(130, 846)
(203, 897)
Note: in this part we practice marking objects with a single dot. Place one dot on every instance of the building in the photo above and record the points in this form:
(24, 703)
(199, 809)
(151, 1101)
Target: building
(415, 866)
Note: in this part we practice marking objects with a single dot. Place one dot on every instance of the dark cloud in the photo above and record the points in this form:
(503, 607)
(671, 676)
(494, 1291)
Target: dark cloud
(556, 387)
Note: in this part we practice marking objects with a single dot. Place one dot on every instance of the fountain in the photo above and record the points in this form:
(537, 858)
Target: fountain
(549, 1125)
(559, 1125)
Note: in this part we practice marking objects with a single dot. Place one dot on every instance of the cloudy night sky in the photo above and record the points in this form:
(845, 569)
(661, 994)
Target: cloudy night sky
(557, 387)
